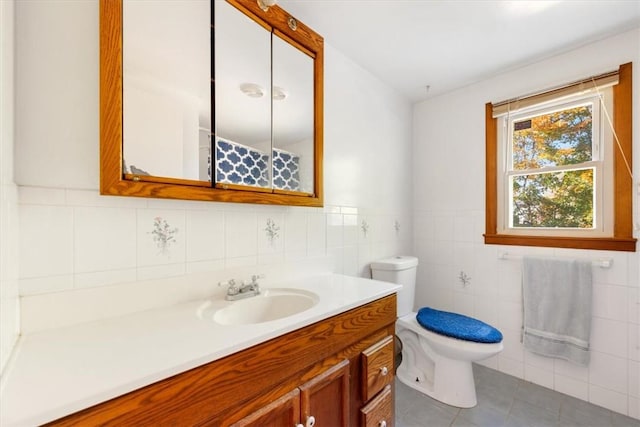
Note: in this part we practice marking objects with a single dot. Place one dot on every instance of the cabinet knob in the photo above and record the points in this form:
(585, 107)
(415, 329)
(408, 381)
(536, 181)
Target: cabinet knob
(382, 423)
(311, 421)
(299, 425)
(384, 371)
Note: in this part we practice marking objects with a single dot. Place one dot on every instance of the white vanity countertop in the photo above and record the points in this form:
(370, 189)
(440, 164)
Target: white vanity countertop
(61, 371)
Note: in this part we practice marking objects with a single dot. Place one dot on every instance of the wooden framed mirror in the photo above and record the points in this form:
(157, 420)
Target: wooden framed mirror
(159, 137)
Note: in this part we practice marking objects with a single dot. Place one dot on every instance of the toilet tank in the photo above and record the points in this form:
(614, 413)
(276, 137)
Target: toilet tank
(400, 270)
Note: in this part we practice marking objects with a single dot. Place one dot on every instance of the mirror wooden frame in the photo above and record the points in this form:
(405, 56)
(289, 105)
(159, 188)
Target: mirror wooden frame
(112, 179)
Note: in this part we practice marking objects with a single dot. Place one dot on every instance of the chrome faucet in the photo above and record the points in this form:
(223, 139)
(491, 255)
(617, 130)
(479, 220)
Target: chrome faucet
(244, 290)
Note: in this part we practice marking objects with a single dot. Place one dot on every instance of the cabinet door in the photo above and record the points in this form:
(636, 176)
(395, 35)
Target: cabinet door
(282, 412)
(325, 398)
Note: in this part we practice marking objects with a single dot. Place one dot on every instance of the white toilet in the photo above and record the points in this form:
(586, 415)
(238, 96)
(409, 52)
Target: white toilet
(436, 364)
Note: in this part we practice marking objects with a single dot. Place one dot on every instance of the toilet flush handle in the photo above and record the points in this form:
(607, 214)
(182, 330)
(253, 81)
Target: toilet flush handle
(384, 371)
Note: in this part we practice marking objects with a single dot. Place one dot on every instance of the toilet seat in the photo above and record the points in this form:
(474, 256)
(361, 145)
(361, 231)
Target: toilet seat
(457, 326)
(449, 346)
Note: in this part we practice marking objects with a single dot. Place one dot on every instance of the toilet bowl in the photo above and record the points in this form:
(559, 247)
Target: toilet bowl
(440, 366)
(435, 364)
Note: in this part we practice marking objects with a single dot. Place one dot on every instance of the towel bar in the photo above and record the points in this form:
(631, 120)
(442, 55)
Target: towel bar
(598, 262)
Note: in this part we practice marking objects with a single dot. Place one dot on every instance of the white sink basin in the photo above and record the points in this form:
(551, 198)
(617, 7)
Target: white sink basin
(271, 304)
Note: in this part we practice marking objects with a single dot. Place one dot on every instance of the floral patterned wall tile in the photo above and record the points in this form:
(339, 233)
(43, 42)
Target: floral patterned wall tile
(270, 232)
(160, 237)
(163, 235)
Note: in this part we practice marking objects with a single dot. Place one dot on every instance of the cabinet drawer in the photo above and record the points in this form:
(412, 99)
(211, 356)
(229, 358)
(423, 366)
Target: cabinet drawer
(379, 412)
(377, 367)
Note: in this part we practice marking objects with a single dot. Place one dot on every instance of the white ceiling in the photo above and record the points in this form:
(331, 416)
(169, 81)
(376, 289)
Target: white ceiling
(412, 44)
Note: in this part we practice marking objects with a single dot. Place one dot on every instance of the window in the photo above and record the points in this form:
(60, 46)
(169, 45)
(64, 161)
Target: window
(554, 169)
(558, 170)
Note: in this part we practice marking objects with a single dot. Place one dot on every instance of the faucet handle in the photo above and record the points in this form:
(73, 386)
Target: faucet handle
(255, 277)
(252, 285)
(232, 289)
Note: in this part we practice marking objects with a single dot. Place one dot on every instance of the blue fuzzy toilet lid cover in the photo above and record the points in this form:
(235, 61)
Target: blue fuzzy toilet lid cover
(457, 326)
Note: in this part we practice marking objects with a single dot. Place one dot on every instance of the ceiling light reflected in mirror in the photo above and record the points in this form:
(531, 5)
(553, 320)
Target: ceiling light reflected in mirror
(252, 90)
(279, 94)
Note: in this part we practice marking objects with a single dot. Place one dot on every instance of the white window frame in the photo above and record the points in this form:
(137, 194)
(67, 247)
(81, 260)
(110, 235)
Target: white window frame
(602, 163)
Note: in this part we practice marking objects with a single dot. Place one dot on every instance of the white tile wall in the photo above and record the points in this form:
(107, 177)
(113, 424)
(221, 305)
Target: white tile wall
(612, 301)
(204, 234)
(66, 246)
(295, 234)
(634, 305)
(113, 246)
(609, 372)
(316, 234)
(609, 336)
(241, 234)
(571, 370)
(46, 241)
(97, 232)
(334, 230)
(449, 222)
(634, 379)
(634, 341)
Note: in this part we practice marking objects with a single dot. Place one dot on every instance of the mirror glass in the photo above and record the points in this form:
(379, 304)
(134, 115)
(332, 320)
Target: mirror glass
(166, 88)
(242, 98)
(264, 106)
(292, 118)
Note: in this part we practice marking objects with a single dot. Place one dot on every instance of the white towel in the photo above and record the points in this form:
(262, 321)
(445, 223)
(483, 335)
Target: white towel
(557, 308)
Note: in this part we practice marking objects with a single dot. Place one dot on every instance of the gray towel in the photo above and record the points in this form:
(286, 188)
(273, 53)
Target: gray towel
(557, 308)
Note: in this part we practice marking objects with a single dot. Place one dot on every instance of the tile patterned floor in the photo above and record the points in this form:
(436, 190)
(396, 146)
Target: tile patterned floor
(504, 401)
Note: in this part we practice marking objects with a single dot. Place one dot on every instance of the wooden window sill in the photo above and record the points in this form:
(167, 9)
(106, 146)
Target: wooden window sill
(597, 243)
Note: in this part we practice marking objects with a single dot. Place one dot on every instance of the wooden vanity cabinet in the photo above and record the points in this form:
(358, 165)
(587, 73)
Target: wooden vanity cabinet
(322, 401)
(313, 370)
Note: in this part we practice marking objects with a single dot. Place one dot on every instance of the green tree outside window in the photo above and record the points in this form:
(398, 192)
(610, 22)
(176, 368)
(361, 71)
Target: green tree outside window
(556, 198)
